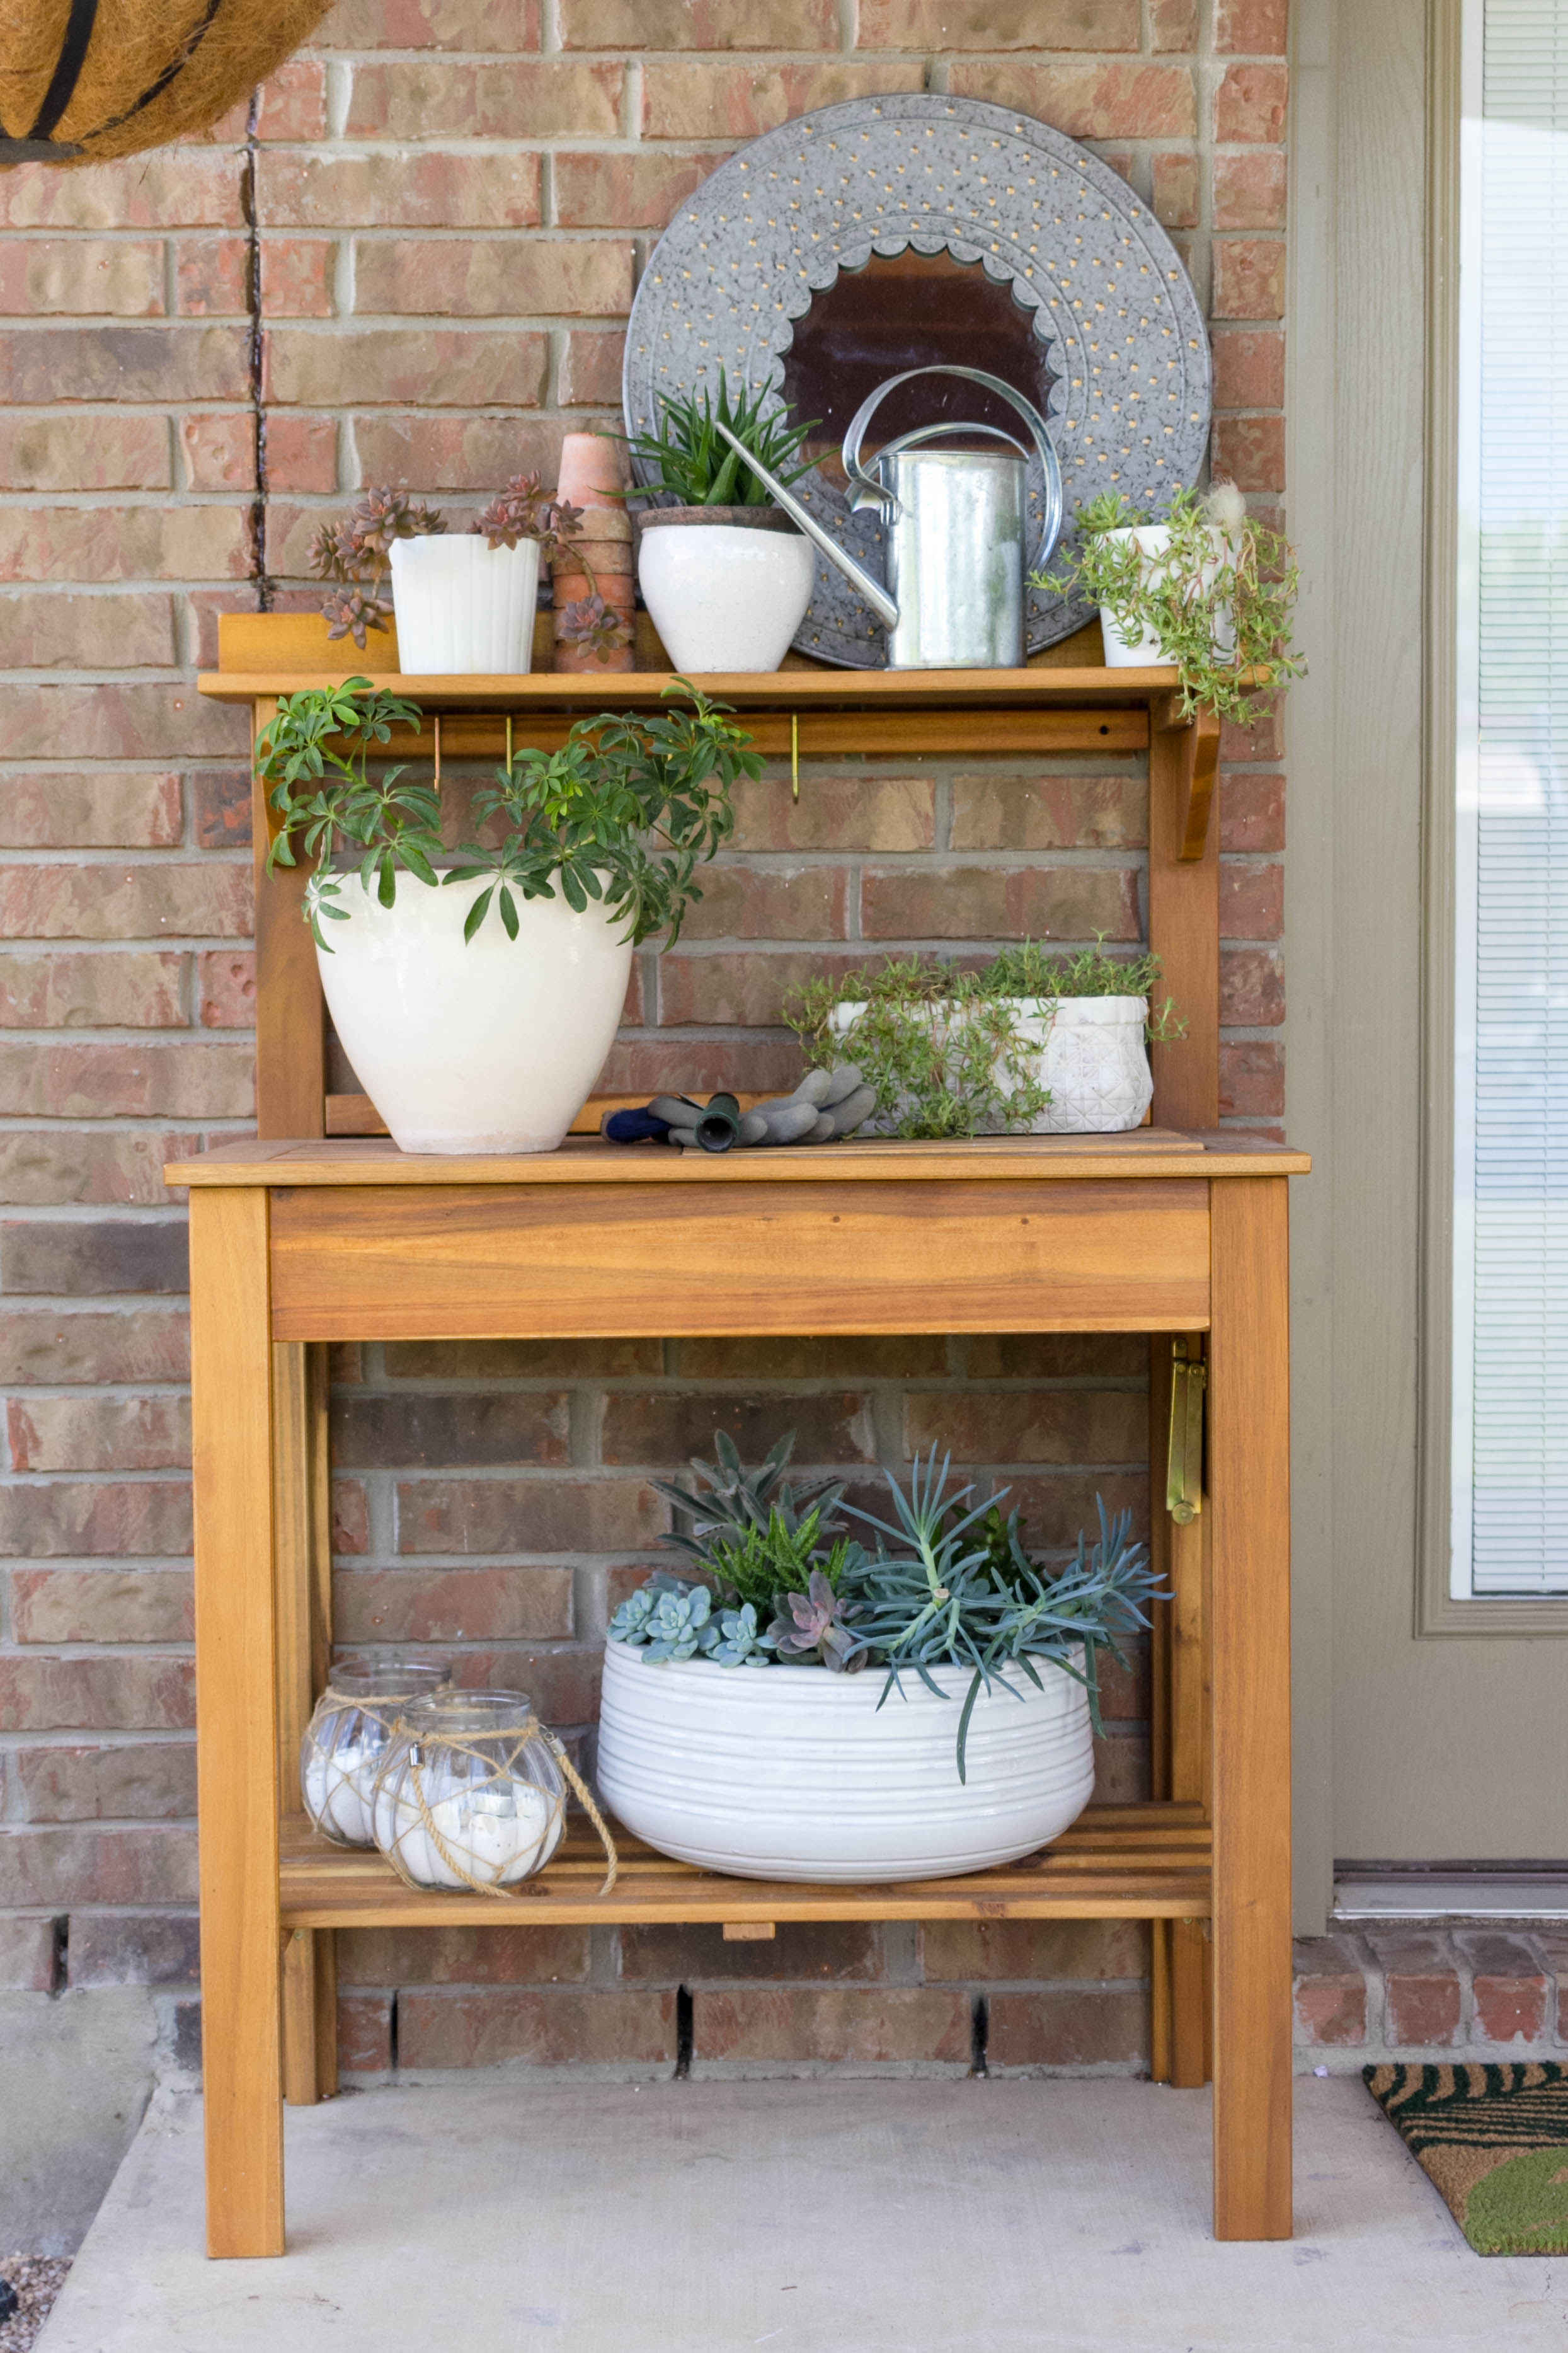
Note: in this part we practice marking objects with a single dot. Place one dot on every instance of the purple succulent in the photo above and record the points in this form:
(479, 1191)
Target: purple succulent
(818, 1625)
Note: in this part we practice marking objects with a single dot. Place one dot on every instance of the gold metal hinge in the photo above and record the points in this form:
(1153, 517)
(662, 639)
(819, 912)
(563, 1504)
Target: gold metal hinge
(1184, 1461)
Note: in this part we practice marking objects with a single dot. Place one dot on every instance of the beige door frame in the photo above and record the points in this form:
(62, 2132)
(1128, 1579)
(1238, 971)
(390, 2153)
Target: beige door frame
(1408, 1747)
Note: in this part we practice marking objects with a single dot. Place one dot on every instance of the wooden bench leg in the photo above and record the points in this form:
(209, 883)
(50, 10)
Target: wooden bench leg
(302, 1531)
(237, 1719)
(1250, 1503)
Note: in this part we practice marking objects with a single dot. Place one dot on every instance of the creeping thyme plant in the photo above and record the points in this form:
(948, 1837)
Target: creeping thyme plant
(944, 1047)
(949, 1584)
(1220, 597)
(622, 813)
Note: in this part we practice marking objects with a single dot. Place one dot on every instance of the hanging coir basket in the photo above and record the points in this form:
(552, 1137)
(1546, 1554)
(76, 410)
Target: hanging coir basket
(81, 80)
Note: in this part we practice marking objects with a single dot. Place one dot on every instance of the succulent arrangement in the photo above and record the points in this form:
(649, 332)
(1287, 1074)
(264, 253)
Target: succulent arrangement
(691, 460)
(621, 814)
(948, 1582)
(355, 555)
(1220, 597)
(941, 1046)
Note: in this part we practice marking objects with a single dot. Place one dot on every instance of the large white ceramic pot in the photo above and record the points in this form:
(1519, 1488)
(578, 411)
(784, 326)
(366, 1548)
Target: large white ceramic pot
(795, 1773)
(463, 607)
(1089, 1051)
(1140, 648)
(727, 587)
(490, 1045)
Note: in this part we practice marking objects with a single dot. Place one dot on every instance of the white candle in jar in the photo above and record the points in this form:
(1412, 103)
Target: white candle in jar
(339, 1789)
(498, 1835)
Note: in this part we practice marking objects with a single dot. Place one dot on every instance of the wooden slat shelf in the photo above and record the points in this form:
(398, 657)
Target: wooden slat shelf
(1137, 1862)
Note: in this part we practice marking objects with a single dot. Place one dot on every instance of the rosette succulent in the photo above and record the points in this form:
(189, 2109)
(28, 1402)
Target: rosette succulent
(814, 1625)
(731, 1638)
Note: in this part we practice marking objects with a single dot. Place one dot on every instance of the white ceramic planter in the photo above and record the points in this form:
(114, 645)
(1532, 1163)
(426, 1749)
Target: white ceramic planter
(1140, 650)
(464, 607)
(1089, 1051)
(723, 595)
(792, 1773)
(488, 1046)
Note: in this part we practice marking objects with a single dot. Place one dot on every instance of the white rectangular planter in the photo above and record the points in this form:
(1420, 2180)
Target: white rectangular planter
(1089, 1051)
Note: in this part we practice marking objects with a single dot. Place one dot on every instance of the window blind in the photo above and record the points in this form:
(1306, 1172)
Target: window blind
(1510, 1453)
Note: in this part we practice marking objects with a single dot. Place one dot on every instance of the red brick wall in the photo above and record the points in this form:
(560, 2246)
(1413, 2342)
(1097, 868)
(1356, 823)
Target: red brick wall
(453, 198)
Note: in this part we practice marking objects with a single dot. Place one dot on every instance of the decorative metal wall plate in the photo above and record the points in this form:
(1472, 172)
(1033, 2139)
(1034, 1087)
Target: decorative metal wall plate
(1125, 342)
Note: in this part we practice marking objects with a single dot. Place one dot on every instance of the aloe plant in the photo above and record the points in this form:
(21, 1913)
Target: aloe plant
(691, 458)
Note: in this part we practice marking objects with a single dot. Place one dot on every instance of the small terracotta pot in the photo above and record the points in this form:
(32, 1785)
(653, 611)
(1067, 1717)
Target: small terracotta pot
(593, 471)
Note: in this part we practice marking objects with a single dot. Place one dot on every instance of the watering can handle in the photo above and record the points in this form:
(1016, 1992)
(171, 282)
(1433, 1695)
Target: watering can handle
(864, 487)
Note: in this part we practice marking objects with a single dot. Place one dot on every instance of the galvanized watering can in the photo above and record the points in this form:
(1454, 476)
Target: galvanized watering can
(957, 531)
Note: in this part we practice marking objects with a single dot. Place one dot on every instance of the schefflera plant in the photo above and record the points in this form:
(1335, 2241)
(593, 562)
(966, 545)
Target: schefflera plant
(621, 815)
(950, 1584)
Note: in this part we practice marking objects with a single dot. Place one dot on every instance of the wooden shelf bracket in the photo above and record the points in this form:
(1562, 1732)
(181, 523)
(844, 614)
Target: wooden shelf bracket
(1200, 752)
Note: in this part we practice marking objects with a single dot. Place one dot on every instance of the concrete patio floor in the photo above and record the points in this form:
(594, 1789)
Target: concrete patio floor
(819, 2216)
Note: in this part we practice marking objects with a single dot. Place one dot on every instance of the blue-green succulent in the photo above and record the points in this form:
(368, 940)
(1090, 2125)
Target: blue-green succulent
(734, 1639)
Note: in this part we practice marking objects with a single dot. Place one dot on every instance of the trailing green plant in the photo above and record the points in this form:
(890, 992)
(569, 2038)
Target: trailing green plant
(1219, 598)
(943, 1046)
(621, 815)
(951, 1584)
(690, 459)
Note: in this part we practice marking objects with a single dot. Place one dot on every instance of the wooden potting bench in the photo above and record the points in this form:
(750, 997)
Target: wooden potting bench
(315, 1233)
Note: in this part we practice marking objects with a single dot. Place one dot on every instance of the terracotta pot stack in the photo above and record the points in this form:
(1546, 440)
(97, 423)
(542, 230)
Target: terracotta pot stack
(593, 477)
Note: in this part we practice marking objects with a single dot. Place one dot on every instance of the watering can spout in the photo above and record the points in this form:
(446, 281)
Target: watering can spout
(866, 583)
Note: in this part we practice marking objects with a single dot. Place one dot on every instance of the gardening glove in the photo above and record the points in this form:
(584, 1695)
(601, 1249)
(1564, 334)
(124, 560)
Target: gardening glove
(826, 1104)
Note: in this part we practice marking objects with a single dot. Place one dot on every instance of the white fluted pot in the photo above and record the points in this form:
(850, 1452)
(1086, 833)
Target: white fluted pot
(1089, 1051)
(792, 1773)
(487, 1045)
(463, 607)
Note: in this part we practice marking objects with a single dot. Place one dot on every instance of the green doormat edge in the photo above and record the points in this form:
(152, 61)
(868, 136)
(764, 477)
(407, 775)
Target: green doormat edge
(1493, 2140)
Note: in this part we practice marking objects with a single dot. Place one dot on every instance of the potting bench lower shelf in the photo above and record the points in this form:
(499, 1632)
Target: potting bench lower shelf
(1137, 1862)
(1182, 1236)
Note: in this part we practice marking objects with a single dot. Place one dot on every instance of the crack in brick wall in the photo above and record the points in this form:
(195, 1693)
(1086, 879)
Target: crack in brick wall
(411, 260)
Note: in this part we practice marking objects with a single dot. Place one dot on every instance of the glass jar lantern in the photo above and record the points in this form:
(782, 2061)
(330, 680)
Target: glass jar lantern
(472, 1793)
(347, 1739)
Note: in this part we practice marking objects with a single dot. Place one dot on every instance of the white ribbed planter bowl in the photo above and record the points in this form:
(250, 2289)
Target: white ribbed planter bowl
(1089, 1051)
(792, 1772)
(724, 596)
(1140, 650)
(463, 607)
(488, 1046)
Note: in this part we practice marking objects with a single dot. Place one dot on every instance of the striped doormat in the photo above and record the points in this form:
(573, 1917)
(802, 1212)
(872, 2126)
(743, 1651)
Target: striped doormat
(1494, 2141)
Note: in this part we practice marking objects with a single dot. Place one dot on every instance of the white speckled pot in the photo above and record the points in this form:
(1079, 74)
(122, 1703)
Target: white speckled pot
(725, 594)
(491, 1045)
(792, 1773)
(1089, 1051)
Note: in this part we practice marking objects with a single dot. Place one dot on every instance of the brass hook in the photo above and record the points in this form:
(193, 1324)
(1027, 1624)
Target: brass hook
(794, 756)
(1184, 1460)
(508, 743)
(436, 716)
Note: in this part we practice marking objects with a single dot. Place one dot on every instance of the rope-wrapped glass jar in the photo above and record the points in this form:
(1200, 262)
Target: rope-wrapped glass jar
(472, 1793)
(347, 1739)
